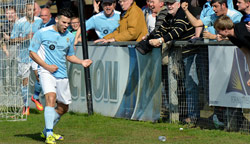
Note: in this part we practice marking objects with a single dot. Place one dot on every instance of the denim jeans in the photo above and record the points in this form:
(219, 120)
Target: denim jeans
(191, 88)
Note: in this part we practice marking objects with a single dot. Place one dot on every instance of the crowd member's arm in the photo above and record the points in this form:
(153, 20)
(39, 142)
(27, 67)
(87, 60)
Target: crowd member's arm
(96, 5)
(198, 31)
(90, 24)
(49, 3)
(179, 28)
(191, 18)
(105, 40)
(209, 35)
(76, 60)
(78, 36)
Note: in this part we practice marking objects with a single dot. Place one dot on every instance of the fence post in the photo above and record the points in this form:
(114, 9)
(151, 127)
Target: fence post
(174, 57)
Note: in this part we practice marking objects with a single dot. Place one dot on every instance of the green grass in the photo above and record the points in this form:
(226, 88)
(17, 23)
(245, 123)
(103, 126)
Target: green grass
(97, 129)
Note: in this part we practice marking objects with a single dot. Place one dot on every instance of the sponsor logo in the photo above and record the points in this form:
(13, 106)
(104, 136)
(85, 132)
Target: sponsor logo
(52, 47)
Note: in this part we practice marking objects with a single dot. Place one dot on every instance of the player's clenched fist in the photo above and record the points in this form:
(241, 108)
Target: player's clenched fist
(184, 6)
(86, 62)
(52, 68)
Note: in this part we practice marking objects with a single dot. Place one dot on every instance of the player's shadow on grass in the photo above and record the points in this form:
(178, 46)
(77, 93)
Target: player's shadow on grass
(35, 111)
(78, 114)
(34, 136)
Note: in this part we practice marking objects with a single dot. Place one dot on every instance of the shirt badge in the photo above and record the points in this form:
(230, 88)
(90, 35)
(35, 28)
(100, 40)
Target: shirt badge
(52, 47)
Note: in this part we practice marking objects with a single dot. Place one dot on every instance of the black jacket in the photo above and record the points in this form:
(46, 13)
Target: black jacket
(242, 38)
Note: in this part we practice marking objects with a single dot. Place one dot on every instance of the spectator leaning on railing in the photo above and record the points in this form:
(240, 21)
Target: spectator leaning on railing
(220, 8)
(132, 24)
(175, 27)
(237, 34)
(104, 22)
(207, 10)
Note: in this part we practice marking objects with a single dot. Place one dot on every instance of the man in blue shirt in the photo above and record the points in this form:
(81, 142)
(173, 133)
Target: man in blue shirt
(208, 10)
(23, 31)
(50, 48)
(104, 22)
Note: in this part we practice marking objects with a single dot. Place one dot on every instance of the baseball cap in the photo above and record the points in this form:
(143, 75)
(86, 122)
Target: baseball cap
(172, 1)
(108, 1)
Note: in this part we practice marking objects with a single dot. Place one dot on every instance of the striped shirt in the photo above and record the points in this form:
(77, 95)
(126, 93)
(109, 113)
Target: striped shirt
(175, 27)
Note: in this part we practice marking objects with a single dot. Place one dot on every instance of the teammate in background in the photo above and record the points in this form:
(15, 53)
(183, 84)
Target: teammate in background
(50, 48)
(6, 28)
(22, 32)
(236, 33)
(104, 22)
(37, 89)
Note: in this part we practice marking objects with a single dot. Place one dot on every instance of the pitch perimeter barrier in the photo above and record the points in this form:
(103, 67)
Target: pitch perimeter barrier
(205, 84)
(125, 84)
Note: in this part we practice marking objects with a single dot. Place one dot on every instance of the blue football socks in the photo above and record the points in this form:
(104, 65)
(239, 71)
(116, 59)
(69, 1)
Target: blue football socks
(56, 119)
(49, 115)
(25, 95)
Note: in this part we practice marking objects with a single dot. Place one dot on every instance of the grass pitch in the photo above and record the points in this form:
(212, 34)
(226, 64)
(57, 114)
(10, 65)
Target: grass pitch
(97, 129)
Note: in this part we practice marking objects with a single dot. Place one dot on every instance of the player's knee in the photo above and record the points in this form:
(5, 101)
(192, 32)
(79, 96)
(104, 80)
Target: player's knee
(62, 108)
(50, 99)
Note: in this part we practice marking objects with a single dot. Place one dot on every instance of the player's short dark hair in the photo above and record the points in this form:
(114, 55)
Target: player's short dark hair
(220, 2)
(65, 12)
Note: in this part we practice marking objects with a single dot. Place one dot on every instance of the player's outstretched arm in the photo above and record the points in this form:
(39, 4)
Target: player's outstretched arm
(39, 61)
(76, 60)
